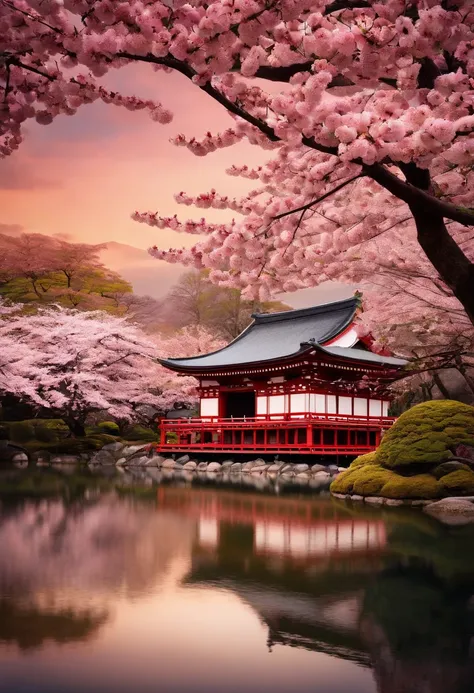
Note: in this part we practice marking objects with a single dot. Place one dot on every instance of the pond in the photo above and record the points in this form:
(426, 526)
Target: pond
(107, 586)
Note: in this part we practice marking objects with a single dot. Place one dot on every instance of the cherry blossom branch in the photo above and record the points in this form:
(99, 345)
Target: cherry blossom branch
(319, 199)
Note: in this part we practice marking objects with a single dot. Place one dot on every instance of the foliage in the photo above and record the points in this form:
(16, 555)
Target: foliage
(397, 139)
(141, 433)
(222, 310)
(460, 482)
(73, 363)
(37, 270)
(421, 438)
(109, 427)
(422, 486)
(427, 433)
(21, 431)
(447, 467)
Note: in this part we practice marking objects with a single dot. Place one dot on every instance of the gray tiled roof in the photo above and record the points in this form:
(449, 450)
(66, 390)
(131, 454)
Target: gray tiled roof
(275, 336)
(362, 355)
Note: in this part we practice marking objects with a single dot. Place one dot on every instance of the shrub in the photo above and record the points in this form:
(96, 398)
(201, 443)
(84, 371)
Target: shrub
(420, 486)
(140, 433)
(459, 482)
(448, 467)
(426, 434)
(21, 431)
(368, 458)
(370, 481)
(109, 427)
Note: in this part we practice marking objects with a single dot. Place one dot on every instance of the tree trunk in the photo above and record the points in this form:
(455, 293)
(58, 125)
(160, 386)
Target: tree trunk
(76, 427)
(464, 372)
(441, 386)
(454, 268)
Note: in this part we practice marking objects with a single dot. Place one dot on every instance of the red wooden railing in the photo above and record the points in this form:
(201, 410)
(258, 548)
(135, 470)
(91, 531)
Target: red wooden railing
(295, 433)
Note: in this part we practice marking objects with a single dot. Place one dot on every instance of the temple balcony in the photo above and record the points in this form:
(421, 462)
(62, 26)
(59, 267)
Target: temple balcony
(298, 434)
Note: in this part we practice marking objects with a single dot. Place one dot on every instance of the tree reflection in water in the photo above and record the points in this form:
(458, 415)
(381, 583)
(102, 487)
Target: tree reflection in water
(387, 589)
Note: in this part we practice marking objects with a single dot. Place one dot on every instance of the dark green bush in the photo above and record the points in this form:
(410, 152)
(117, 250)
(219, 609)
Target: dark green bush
(21, 431)
(140, 433)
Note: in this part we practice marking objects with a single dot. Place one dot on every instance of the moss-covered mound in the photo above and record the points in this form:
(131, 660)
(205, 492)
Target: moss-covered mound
(427, 434)
(412, 459)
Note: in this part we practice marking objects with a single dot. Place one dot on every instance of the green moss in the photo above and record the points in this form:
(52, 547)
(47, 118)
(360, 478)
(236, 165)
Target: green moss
(448, 467)
(426, 434)
(368, 458)
(420, 486)
(109, 427)
(460, 482)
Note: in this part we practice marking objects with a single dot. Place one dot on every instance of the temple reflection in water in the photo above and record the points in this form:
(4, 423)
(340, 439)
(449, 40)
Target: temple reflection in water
(305, 587)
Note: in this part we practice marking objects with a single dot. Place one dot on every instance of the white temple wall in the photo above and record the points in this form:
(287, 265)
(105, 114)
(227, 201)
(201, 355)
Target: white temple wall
(209, 406)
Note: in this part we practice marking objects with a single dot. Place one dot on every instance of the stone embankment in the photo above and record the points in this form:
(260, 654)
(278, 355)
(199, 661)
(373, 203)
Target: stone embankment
(130, 457)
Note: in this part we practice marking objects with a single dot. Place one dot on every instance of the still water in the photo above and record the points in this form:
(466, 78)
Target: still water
(113, 587)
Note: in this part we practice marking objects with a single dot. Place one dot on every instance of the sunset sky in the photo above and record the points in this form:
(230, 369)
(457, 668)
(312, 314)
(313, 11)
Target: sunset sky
(83, 176)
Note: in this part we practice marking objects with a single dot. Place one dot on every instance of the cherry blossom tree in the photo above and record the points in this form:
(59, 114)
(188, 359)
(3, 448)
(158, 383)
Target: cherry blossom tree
(73, 363)
(376, 103)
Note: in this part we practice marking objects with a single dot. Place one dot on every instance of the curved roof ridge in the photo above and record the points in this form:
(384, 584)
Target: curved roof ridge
(351, 302)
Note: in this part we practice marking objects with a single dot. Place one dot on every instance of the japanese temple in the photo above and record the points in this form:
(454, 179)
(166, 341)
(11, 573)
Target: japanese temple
(298, 382)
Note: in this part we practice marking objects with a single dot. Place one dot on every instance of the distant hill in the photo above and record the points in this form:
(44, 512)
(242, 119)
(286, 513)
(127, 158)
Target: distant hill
(148, 276)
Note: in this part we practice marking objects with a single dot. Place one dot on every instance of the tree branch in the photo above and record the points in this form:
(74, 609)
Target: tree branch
(414, 195)
(319, 199)
(379, 173)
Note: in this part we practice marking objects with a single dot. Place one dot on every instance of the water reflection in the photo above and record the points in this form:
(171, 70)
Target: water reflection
(219, 590)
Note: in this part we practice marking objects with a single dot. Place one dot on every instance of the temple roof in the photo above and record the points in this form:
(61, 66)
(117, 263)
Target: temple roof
(277, 336)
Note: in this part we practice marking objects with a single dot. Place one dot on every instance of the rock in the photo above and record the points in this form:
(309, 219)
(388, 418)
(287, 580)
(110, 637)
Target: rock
(247, 466)
(375, 500)
(339, 495)
(323, 476)
(141, 461)
(121, 462)
(259, 469)
(451, 511)
(168, 463)
(65, 459)
(190, 466)
(298, 468)
(286, 468)
(394, 502)
(287, 475)
(183, 459)
(465, 451)
(131, 450)
(202, 466)
(155, 461)
(154, 474)
(227, 464)
(114, 447)
(303, 476)
(9, 450)
(213, 467)
(318, 468)
(213, 474)
(20, 457)
(236, 468)
(342, 469)
(103, 457)
(357, 498)
(333, 468)
(275, 468)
